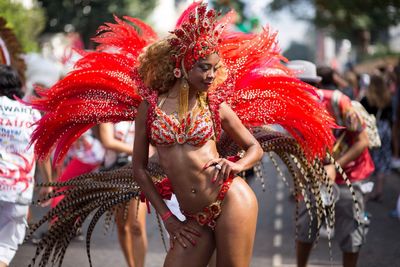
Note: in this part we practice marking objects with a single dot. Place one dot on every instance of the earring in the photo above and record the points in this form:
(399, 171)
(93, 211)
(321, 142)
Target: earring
(202, 99)
(177, 73)
(183, 98)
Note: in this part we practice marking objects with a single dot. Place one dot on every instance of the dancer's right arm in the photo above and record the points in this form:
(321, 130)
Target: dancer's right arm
(140, 156)
(177, 230)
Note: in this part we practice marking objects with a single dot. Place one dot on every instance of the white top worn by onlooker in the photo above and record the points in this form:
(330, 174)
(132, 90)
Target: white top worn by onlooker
(17, 161)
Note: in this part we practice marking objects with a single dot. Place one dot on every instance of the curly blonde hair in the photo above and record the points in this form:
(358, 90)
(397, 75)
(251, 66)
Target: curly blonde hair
(156, 67)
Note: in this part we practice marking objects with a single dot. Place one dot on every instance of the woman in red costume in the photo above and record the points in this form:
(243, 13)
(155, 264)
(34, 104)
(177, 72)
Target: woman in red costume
(182, 91)
(216, 204)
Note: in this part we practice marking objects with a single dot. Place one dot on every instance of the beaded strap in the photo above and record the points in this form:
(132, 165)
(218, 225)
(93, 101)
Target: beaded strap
(147, 94)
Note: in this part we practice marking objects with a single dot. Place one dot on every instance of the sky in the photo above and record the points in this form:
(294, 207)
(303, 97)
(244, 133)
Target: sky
(289, 29)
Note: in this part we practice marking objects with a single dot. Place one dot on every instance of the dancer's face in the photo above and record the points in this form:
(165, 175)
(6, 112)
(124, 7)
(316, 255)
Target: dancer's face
(203, 73)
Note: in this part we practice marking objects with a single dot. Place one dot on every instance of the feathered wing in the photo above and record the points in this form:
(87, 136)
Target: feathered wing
(262, 91)
(104, 87)
(94, 193)
(100, 89)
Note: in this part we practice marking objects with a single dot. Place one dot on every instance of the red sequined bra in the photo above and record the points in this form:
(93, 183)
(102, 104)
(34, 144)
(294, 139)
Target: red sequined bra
(195, 129)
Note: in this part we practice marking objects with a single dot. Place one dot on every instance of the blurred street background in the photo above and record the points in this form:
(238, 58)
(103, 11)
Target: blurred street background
(352, 37)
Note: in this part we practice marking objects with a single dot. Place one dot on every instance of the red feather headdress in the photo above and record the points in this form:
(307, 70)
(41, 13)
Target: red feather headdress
(196, 35)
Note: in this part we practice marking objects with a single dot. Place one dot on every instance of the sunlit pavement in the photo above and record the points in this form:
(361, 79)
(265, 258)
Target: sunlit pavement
(274, 245)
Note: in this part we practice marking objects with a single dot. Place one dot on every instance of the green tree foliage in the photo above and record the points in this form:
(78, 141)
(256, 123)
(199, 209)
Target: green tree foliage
(244, 23)
(360, 21)
(227, 5)
(346, 18)
(85, 16)
(27, 24)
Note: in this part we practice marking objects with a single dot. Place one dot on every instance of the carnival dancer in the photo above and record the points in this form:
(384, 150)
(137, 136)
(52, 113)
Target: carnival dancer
(187, 150)
(182, 91)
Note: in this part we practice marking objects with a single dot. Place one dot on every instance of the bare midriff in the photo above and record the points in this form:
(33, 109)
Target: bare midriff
(184, 166)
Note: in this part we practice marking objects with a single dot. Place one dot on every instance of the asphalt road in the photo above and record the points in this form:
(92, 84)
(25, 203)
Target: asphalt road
(274, 245)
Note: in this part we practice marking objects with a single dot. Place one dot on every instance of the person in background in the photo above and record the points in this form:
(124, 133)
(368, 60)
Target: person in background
(351, 76)
(332, 80)
(17, 164)
(118, 139)
(378, 102)
(352, 154)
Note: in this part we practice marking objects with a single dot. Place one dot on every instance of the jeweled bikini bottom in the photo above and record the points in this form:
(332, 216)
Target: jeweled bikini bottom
(209, 215)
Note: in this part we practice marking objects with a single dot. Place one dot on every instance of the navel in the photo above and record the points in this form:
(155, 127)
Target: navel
(193, 190)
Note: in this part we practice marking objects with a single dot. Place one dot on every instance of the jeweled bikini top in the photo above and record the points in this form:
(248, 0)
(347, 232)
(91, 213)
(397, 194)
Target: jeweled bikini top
(195, 129)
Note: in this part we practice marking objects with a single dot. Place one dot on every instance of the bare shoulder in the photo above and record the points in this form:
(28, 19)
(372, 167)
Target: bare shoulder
(142, 113)
(144, 105)
(226, 111)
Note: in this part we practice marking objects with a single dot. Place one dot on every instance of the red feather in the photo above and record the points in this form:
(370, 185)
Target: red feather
(100, 89)
(263, 91)
(185, 14)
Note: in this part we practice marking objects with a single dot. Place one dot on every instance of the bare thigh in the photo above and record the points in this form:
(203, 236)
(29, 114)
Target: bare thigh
(236, 226)
(194, 256)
